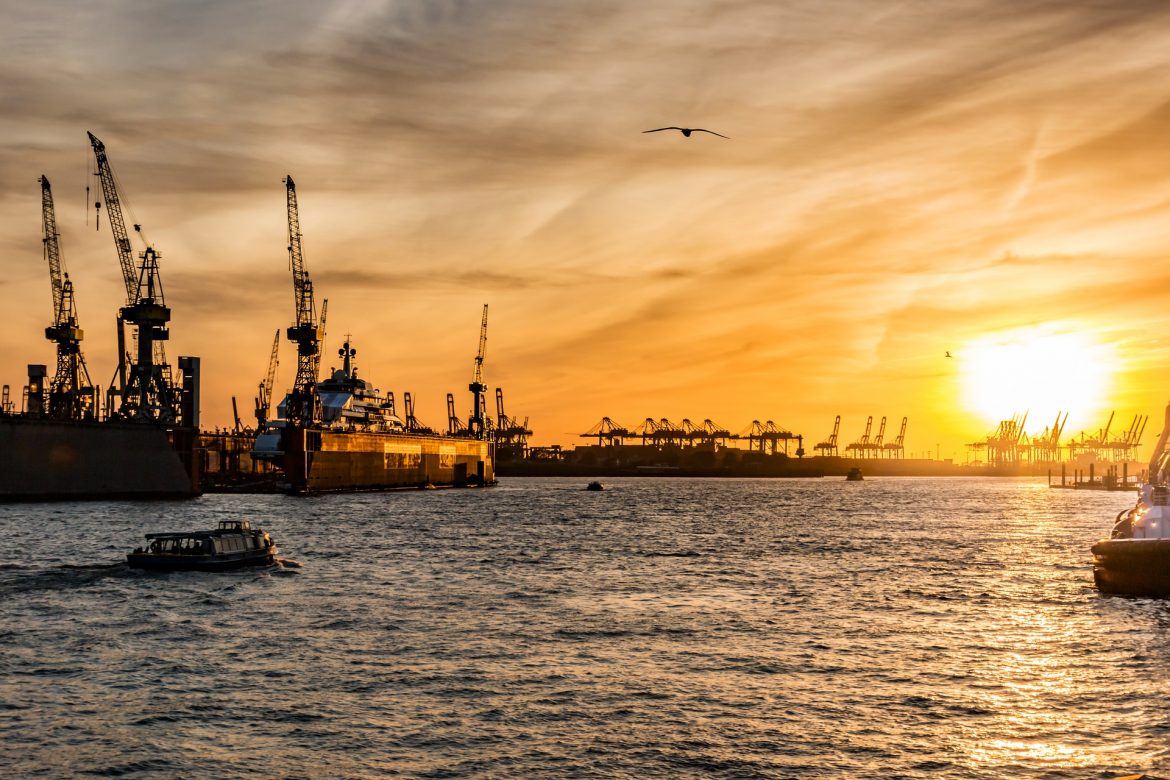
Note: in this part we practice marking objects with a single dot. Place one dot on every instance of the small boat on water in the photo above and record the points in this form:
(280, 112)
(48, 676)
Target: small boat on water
(232, 544)
(854, 475)
(595, 485)
(1135, 559)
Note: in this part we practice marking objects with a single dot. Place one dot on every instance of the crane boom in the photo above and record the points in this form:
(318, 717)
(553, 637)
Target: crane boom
(479, 355)
(52, 251)
(114, 217)
(264, 398)
(321, 332)
(302, 284)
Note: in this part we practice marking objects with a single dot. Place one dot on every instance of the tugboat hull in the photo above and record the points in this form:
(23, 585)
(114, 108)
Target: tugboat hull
(1132, 567)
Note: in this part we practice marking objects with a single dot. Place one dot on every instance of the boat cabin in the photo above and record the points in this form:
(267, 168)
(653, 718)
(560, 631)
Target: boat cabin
(229, 536)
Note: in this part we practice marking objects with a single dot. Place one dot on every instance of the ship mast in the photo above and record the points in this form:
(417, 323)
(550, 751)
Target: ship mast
(147, 394)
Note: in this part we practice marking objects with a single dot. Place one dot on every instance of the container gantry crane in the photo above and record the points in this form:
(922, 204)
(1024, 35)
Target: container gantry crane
(829, 446)
(307, 332)
(264, 397)
(455, 426)
(72, 396)
(476, 425)
(897, 447)
(147, 394)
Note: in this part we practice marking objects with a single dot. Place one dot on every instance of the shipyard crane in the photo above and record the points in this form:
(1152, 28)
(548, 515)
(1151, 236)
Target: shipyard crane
(897, 447)
(307, 332)
(476, 425)
(264, 398)
(146, 389)
(321, 343)
(877, 446)
(862, 445)
(455, 426)
(72, 396)
(829, 446)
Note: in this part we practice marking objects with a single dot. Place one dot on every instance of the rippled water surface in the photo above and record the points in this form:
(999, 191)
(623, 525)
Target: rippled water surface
(692, 628)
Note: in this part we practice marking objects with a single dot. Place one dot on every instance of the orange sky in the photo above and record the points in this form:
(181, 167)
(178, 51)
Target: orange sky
(902, 179)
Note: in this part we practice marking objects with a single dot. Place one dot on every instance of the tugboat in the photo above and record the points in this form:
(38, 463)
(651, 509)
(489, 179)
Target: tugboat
(854, 475)
(1135, 559)
(232, 545)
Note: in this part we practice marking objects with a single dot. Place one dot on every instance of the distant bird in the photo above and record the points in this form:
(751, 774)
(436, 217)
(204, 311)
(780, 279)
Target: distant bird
(948, 354)
(687, 131)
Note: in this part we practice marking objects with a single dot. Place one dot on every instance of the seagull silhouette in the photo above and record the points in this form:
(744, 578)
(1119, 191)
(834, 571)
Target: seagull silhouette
(948, 354)
(687, 131)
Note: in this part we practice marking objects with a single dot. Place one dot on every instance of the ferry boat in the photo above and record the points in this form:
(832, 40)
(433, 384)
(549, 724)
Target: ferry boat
(854, 475)
(232, 544)
(1135, 559)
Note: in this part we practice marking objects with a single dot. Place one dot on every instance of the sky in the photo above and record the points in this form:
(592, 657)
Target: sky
(902, 180)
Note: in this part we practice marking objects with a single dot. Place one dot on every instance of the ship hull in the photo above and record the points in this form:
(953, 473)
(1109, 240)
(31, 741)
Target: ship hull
(53, 460)
(325, 461)
(1132, 567)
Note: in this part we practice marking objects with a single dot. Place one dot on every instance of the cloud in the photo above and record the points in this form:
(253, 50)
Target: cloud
(898, 177)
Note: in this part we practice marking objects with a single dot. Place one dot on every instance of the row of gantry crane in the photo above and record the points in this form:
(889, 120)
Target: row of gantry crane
(764, 436)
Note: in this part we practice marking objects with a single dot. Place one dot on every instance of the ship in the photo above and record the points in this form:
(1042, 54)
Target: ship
(1135, 559)
(233, 544)
(341, 434)
(63, 443)
(356, 441)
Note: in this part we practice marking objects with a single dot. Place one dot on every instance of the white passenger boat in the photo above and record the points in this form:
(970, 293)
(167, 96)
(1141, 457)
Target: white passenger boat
(1135, 559)
(231, 545)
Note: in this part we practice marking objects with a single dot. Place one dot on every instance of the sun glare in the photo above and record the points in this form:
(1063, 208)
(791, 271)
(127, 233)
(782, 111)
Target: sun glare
(1035, 372)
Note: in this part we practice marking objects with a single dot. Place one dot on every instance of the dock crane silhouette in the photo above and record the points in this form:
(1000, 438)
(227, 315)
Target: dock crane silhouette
(476, 425)
(72, 395)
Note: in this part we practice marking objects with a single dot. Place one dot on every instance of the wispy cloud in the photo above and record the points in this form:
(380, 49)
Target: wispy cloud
(899, 177)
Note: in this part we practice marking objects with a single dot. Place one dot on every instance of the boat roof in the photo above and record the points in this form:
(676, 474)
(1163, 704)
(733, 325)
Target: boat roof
(183, 535)
(225, 527)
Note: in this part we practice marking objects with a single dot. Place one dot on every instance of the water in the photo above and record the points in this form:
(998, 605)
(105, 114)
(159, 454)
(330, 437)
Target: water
(687, 628)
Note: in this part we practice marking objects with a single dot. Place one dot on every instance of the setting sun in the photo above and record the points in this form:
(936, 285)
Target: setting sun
(1035, 371)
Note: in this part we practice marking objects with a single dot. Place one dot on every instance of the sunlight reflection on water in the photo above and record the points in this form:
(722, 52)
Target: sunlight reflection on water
(894, 627)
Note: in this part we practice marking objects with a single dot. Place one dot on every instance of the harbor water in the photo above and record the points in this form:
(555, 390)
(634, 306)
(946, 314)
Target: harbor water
(912, 628)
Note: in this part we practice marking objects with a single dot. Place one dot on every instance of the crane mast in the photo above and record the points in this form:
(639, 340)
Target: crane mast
(476, 425)
(72, 395)
(147, 394)
(264, 398)
(306, 332)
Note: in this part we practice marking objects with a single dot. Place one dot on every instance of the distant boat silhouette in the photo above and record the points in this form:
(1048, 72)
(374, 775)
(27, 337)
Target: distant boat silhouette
(687, 131)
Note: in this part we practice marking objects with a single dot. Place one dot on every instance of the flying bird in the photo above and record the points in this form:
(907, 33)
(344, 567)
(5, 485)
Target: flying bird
(948, 354)
(687, 131)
